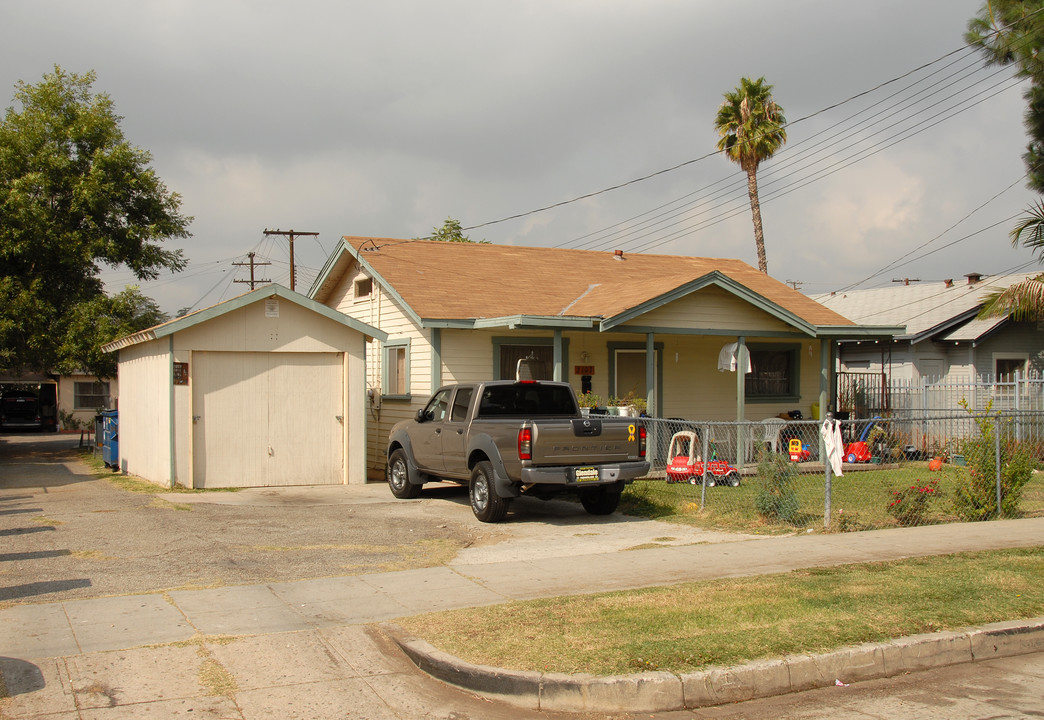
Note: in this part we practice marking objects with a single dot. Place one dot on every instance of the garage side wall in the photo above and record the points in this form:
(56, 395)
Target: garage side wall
(144, 405)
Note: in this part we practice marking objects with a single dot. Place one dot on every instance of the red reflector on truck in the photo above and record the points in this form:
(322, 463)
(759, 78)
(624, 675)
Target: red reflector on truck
(525, 444)
(641, 441)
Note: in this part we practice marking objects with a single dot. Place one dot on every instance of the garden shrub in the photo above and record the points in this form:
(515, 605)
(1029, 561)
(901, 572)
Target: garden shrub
(975, 495)
(910, 506)
(776, 498)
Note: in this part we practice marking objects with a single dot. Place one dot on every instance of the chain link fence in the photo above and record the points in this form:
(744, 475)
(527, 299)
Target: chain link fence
(770, 475)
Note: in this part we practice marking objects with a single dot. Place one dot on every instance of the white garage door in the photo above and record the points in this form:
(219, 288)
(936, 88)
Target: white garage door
(264, 419)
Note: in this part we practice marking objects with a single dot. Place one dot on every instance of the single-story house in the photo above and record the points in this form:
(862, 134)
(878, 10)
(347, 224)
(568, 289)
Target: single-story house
(944, 342)
(66, 401)
(655, 326)
(265, 389)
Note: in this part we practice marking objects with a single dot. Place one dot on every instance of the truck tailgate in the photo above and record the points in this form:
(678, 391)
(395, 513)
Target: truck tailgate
(585, 441)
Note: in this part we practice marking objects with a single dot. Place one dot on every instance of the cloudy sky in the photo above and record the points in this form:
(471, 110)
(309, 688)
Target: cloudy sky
(383, 119)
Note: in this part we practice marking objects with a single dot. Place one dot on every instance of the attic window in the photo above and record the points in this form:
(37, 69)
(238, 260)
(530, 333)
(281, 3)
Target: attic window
(363, 288)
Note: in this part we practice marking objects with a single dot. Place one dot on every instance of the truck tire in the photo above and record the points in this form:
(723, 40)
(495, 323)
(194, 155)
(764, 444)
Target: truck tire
(600, 500)
(485, 503)
(399, 476)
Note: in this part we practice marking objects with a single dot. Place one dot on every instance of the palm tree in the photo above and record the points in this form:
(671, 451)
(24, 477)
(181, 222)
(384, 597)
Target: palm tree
(752, 129)
(1023, 300)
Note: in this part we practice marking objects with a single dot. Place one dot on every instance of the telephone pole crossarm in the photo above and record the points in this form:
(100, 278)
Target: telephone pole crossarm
(290, 234)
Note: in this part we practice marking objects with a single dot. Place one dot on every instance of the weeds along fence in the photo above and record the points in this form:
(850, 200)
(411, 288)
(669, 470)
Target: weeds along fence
(895, 471)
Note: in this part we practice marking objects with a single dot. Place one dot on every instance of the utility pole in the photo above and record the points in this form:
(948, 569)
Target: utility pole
(291, 234)
(796, 284)
(252, 265)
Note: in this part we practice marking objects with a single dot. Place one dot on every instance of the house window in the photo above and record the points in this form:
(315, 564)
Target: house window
(774, 373)
(90, 395)
(396, 368)
(1006, 368)
(363, 288)
(530, 362)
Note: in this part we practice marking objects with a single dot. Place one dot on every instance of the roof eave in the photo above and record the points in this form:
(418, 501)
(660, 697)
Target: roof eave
(268, 291)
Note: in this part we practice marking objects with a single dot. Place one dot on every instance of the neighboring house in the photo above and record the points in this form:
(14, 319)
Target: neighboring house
(944, 342)
(265, 389)
(655, 326)
(69, 401)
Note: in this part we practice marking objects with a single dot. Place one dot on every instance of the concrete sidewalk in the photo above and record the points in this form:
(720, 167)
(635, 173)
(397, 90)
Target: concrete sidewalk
(303, 649)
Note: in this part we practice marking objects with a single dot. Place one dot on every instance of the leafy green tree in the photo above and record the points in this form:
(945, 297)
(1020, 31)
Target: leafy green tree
(1023, 300)
(74, 195)
(1011, 32)
(752, 128)
(100, 320)
(451, 231)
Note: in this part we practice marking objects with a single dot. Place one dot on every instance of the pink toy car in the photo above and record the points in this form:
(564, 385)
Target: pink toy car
(686, 466)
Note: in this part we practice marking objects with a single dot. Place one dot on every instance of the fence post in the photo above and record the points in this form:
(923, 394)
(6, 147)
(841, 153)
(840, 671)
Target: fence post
(826, 470)
(1018, 407)
(704, 435)
(996, 438)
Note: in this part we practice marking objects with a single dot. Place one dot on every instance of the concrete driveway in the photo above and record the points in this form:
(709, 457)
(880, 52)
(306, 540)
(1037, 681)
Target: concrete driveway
(68, 534)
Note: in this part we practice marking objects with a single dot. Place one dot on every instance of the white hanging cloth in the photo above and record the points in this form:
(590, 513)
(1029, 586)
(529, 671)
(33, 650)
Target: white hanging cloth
(727, 360)
(835, 446)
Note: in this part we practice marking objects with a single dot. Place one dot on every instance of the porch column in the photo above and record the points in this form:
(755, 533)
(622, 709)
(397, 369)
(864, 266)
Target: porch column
(436, 358)
(558, 374)
(741, 399)
(650, 376)
(826, 371)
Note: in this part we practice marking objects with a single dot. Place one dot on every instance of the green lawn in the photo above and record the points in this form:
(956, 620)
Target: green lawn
(689, 627)
(859, 500)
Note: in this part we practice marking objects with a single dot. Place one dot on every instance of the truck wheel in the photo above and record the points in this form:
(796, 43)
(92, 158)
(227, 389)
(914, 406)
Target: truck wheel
(733, 479)
(399, 476)
(600, 501)
(485, 503)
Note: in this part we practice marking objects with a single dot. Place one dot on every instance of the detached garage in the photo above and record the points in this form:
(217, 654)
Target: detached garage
(268, 388)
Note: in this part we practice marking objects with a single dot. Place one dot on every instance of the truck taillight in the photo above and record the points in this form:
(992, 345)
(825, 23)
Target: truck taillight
(525, 444)
(642, 441)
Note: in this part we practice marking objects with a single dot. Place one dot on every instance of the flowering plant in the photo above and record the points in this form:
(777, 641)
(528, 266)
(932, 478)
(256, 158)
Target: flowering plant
(910, 506)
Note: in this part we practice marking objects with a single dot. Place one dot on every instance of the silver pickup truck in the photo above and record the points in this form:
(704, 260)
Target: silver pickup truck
(507, 439)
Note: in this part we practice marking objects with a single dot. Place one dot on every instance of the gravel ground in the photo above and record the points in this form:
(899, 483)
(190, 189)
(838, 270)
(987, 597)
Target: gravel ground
(66, 533)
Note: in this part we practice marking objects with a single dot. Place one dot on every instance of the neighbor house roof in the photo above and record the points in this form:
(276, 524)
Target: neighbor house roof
(942, 310)
(486, 284)
(268, 291)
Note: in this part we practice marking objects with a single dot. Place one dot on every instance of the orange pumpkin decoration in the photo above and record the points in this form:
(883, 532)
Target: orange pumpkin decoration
(935, 464)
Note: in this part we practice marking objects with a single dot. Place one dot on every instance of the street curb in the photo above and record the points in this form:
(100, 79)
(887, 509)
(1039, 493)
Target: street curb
(666, 691)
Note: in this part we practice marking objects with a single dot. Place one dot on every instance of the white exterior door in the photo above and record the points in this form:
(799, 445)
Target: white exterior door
(263, 419)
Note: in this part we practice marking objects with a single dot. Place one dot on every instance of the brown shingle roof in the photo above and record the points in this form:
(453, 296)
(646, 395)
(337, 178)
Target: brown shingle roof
(444, 280)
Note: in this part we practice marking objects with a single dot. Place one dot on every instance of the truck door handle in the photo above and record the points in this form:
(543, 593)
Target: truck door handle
(460, 431)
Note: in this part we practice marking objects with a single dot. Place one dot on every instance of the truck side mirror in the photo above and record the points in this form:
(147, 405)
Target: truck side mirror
(422, 416)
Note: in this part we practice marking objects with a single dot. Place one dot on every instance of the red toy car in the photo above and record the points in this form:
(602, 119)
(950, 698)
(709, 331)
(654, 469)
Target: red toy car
(686, 466)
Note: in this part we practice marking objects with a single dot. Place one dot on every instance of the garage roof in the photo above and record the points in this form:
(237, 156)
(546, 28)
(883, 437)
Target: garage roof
(263, 293)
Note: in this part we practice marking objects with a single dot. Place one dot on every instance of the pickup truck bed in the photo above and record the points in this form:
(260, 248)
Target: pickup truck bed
(506, 439)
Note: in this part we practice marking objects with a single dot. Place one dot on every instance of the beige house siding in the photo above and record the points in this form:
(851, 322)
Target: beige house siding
(145, 430)
(381, 310)
(712, 308)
